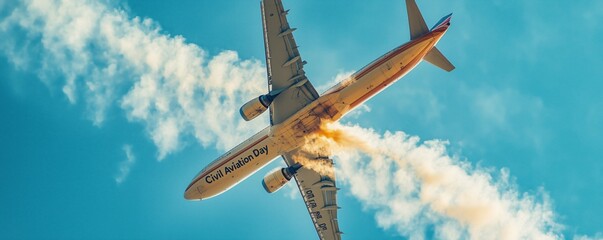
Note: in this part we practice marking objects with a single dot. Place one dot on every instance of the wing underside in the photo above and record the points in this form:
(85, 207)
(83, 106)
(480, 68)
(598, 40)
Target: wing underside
(284, 64)
(316, 183)
(316, 179)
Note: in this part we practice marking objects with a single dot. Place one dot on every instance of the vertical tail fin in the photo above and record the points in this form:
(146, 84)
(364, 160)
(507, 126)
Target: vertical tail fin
(415, 20)
(418, 28)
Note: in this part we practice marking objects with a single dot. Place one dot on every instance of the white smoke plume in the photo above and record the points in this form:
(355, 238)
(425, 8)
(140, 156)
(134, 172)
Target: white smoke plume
(414, 186)
(107, 59)
(101, 56)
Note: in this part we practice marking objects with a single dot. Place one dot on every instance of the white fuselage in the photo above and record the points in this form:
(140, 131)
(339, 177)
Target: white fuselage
(259, 150)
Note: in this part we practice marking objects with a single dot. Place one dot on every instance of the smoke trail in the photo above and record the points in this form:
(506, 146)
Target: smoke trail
(414, 186)
(105, 58)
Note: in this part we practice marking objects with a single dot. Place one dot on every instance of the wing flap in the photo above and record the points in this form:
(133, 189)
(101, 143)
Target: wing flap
(319, 191)
(284, 64)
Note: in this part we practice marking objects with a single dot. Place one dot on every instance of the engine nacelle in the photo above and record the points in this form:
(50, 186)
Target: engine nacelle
(255, 107)
(278, 178)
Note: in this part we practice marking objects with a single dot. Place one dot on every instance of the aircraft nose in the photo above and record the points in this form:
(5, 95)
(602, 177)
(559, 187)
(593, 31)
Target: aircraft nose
(192, 193)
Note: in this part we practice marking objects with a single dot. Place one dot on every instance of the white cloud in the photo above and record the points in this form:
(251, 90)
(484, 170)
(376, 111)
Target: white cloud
(291, 191)
(472, 113)
(508, 113)
(125, 165)
(339, 77)
(598, 236)
(499, 106)
(420, 101)
(102, 55)
(361, 109)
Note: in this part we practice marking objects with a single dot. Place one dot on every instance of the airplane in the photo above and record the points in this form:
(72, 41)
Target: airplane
(297, 110)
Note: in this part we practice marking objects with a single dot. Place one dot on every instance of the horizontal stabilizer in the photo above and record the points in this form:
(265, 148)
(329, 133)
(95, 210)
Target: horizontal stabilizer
(435, 57)
(417, 24)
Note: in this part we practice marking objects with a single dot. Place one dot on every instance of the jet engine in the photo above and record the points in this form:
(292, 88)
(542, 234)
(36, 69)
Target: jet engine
(278, 178)
(256, 107)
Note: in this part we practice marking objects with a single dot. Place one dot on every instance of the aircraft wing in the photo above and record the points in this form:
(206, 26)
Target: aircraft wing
(285, 66)
(317, 188)
(285, 69)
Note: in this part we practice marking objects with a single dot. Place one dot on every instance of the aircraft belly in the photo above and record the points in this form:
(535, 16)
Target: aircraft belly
(236, 166)
(384, 73)
(291, 133)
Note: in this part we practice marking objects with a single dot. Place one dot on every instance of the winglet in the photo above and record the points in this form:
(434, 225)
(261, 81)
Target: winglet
(415, 20)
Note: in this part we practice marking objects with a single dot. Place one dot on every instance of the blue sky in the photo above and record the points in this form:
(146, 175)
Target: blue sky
(99, 142)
